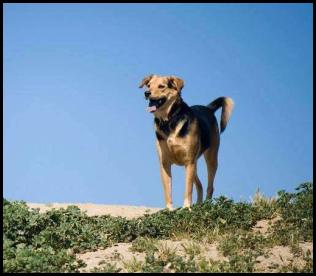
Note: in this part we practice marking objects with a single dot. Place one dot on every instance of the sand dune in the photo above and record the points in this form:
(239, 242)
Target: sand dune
(120, 253)
(128, 212)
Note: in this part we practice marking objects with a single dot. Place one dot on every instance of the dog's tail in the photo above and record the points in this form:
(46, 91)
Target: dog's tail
(227, 105)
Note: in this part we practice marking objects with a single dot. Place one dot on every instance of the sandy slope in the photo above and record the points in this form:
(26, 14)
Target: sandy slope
(98, 209)
(277, 255)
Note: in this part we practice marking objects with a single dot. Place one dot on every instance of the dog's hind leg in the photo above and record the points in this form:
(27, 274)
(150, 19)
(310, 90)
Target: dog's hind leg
(210, 156)
(199, 189)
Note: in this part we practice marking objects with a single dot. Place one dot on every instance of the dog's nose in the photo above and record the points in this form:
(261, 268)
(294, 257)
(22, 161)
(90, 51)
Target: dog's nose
(147, 94)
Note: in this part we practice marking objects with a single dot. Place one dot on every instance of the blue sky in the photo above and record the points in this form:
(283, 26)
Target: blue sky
(75, 126)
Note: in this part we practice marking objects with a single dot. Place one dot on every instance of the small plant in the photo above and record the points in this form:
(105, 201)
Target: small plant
(106, 268)
(265, 206)
(144, 244)
(166, 252)
(133, 265)
(167, 261)
(192, 249)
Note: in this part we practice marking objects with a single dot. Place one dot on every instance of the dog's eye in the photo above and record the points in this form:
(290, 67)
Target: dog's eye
(161, 86)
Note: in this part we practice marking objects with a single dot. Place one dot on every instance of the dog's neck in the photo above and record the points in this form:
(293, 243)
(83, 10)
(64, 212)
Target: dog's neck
(178, 107)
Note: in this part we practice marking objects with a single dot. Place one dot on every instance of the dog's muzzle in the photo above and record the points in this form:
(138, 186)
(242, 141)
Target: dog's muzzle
(147, 94)
(154, 104)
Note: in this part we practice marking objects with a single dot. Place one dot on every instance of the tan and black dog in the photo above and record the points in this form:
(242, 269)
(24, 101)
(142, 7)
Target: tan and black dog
(184, 133)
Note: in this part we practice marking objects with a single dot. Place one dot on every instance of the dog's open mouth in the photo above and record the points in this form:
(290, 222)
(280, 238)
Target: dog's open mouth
(154, 104)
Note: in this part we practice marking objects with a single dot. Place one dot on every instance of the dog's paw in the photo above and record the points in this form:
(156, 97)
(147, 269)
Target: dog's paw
(199, 201)
(170, 207)
(187, 204)
(188, 207)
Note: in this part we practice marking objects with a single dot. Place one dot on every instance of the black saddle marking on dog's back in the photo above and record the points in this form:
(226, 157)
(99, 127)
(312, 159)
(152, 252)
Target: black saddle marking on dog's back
(207, 121)
(204, 135)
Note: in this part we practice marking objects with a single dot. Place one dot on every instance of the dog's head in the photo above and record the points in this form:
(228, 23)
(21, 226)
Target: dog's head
(161, 92)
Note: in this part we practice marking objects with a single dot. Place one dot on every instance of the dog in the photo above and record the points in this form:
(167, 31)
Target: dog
(184, 133)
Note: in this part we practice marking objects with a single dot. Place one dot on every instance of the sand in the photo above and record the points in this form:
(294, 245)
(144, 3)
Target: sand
(128, 212)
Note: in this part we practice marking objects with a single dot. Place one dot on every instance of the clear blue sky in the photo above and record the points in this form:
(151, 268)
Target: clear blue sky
(75, 126)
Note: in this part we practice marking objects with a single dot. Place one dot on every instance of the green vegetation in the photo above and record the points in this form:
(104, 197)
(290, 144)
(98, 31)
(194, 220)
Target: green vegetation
(48, 242)
(143, 244)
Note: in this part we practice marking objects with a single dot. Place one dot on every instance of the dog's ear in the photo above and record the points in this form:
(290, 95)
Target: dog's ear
(175, 83)
(146, 80)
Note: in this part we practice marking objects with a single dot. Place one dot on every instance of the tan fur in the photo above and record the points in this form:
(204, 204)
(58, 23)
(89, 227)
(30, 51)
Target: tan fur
(228, 106)
(186, 150)
(172, 94)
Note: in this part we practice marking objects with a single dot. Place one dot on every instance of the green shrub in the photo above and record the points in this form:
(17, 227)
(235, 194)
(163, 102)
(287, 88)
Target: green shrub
(296, 211)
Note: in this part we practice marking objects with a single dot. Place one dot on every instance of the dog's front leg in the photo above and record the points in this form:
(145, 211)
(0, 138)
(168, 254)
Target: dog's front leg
(190, 171)
(165, 171)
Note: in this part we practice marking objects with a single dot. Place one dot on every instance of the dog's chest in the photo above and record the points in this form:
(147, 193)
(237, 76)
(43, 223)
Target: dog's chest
(178, 151)
(171, 131)
(173, 136)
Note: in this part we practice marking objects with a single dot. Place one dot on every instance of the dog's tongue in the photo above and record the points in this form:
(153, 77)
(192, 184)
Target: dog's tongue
(151, 108)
